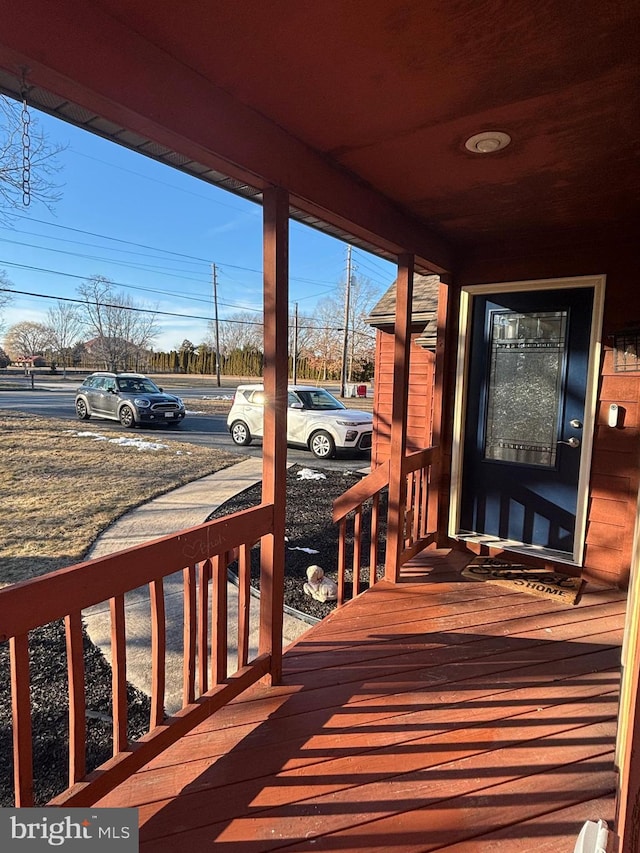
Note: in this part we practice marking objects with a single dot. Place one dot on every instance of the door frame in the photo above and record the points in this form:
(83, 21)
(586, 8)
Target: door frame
(467, 295)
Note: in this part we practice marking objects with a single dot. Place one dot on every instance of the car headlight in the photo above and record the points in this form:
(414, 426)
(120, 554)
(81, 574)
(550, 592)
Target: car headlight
(345, 423)
(141, 402)
(180, 402)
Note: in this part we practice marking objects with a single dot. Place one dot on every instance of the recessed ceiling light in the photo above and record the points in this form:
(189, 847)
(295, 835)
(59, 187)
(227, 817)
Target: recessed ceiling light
(487, 142)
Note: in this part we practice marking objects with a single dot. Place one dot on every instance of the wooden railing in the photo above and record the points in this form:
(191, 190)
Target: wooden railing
(419, 503)
(201, 555)
(361, 515)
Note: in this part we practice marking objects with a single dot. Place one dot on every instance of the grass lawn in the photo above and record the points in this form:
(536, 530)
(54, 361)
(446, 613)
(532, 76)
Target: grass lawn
(61, 489)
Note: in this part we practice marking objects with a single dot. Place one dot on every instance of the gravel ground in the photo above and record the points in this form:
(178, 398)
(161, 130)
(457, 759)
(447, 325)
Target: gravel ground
(308, 526)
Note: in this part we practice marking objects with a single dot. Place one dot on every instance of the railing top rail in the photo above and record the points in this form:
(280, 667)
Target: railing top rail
(360, 492)
(417, 460)
(38, 601)
(377, 480)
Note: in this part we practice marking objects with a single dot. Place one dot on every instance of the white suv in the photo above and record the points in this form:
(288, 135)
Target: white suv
(315, 419)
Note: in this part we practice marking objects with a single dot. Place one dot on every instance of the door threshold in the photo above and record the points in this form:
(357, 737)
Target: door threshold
(519, 548)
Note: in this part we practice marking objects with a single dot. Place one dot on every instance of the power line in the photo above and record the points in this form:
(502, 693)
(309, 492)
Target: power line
(126, 286)
(191, 258)
(125, 307)
(166, 313)
(159, 182)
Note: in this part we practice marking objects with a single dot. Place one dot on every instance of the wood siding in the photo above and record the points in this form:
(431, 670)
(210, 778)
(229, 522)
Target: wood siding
(419, 413)
(614, 478)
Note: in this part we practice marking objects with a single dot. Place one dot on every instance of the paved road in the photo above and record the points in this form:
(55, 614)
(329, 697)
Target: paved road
(209, 430)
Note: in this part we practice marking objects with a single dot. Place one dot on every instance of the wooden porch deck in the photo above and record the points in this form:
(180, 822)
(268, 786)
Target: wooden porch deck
(436, 714)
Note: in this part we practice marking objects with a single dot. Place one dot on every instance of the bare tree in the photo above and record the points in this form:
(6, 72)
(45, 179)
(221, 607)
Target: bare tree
(26, 340)
(65, 325)
(40, 155)
(122, 330)
(364, 294)
(5, 296)
(240, 331)
(326, 339)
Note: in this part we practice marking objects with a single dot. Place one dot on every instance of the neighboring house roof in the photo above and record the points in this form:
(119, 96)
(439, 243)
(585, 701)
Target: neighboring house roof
(424, 308)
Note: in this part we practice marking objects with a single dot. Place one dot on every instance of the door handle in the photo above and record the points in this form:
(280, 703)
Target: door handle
(572, 442)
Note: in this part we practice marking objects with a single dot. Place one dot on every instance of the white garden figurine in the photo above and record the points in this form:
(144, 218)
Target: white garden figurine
(319, 586)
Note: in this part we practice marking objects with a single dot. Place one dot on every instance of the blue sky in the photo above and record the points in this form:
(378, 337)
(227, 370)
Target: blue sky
(145, 225)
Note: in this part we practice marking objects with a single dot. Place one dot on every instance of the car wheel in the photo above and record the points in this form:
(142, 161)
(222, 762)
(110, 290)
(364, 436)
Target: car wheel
(127, 418)
(322, 445)
(240, 433)
(82, 411)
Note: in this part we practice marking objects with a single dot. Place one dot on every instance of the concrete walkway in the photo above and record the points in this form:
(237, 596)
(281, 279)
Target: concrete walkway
(187, 506)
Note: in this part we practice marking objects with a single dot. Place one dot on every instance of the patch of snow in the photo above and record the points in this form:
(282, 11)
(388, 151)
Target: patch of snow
(138, 443)
(308, 474)
(306, 550)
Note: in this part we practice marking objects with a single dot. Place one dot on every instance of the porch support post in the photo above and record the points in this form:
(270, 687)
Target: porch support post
(436, 513)
(401, 351)
(274, 444)
(628, 743)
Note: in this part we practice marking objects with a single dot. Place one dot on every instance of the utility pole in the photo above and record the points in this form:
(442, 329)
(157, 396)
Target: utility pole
(214, 275)
(295, 345)
(345, 339)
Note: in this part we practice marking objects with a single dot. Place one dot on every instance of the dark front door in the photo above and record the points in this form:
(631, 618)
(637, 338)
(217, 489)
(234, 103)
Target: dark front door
(527, 374)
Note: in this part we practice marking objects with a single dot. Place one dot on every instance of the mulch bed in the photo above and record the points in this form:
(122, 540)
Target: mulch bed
(50, 722)
(308, 525)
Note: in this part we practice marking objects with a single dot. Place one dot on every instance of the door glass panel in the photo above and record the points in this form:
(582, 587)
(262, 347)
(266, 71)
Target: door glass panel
(525, 382)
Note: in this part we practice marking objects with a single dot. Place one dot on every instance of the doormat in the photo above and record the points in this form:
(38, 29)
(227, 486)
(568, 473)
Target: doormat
(522, 578)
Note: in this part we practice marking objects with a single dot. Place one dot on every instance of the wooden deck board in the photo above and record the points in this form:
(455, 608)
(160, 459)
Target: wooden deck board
(455, 724)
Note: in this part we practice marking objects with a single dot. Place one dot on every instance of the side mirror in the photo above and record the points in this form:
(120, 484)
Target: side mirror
(296, 406)
(160, 389)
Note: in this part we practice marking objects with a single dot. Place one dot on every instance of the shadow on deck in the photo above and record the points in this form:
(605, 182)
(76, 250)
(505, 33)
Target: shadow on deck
(436, 714)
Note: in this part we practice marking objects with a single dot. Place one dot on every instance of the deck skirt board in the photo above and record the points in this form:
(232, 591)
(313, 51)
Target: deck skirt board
(426, 721)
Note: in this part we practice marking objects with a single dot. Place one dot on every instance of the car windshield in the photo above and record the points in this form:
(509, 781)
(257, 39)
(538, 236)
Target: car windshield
(319, 400)
(137, 385)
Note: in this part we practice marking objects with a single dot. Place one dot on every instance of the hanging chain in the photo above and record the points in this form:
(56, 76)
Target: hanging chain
(26, 148)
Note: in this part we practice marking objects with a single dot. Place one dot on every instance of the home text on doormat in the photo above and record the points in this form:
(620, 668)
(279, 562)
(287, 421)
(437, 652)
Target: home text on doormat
(521, 578)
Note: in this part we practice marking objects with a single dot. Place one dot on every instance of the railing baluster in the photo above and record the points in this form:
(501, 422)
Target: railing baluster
(357, 550)
(204, 576)
(244, 603)
(417, 500)
(424, 515)
(158, 651)
(409, 508)
(119, 702)
(342, 559)
(373, 546)
(77, 707)
(21, 713)
(219, 609)
(189, 634)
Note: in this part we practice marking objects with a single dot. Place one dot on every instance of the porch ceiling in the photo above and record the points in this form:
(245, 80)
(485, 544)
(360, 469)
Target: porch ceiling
(369, 99)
